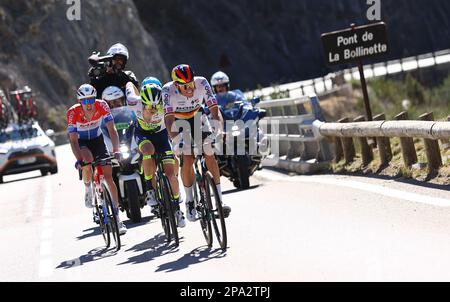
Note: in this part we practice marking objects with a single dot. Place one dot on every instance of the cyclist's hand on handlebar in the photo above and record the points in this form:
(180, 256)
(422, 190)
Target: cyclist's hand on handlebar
(79, 165)
(118, 156)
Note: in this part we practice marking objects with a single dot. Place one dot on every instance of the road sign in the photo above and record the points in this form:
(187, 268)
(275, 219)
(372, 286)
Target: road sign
(355, 44)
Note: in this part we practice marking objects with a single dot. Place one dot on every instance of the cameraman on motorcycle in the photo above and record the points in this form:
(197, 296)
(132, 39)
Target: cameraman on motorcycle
(114, 74)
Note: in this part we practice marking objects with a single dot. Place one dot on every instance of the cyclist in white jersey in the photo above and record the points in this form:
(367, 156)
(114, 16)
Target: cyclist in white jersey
(184, 98)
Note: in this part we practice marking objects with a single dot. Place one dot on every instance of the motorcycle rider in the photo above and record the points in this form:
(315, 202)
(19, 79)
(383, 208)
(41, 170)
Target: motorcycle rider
(221, 86)
(152, 138)
(115, 72)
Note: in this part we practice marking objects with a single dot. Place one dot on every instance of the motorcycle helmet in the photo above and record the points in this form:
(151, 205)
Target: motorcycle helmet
(220, 78)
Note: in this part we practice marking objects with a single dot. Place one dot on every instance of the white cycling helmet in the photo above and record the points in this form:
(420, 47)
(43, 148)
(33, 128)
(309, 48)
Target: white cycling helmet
(86, 91)
(118, 49)
(112, 93)
(220, 78)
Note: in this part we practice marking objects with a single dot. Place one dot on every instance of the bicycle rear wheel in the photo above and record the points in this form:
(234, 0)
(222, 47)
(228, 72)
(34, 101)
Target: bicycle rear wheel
(202, 209)
(170, 209)
(112, 219)
(216, 211)
(104, 226)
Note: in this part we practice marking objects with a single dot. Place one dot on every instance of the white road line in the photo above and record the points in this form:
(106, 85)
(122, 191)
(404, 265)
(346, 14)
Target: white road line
(46, 244)
(47, 234)
(45, 268)
(362, 186)
(46, 248)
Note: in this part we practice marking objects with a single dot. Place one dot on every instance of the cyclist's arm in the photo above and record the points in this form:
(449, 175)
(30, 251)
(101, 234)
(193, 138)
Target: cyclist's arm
(216, 115)
(132, 95)
(113, 135)
(170, 120)
(73, 138)
(73, 133)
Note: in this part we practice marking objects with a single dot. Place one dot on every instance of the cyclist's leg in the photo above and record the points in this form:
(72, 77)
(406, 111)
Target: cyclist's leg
(87, 157)
(170, 171)
(107, 172)
(163, 147)
(188, 176)
(148, 151)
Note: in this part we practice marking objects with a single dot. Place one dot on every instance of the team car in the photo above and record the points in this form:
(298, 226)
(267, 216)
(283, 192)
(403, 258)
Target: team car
(25, 148)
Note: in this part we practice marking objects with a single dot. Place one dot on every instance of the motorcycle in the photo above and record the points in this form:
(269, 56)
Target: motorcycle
(126, 173)
(240, 166)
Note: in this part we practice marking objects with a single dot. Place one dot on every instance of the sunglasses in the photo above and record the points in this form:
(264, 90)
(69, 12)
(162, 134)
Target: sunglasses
(90, 101)
(190, 85)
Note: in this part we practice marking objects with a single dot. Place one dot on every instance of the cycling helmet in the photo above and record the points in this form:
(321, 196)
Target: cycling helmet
(151, 95)
(86, 91)
(112, 93)
(119, 50)
(182, 74)
(151, 80)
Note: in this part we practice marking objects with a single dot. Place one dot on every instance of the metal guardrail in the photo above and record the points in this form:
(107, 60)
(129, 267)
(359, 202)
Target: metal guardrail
(427, 129)
(299, 149)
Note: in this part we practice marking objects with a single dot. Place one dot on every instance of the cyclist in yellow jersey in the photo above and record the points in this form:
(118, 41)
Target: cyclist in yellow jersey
(152, 138)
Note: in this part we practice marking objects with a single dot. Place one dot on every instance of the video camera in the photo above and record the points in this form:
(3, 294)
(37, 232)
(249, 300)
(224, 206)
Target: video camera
(99, 64)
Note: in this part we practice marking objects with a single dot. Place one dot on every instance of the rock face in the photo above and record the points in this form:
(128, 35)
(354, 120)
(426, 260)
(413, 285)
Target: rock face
(268, 41)
(256, 42)
(42, 48)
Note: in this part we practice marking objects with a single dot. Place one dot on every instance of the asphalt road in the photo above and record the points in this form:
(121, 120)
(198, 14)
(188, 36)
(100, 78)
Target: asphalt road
(302, 228)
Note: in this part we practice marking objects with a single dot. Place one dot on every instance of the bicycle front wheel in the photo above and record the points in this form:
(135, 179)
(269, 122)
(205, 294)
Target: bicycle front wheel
(216, 211)
(104, 226)
(203, 211)
(112, 218)
(171, 208)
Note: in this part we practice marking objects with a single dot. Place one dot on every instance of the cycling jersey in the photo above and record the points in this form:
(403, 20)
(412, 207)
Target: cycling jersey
(156, 122)
(88, 130)
(186, 108)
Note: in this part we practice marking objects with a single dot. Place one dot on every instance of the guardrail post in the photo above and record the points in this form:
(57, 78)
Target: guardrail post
(347, 145)
(432, 147)
(316, 109)
(383, 143)
(407, 144)
(366, 151)
(446, 143)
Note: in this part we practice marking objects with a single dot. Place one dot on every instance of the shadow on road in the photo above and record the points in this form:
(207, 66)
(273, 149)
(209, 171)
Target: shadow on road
(239, 190)
(93, 255)
(95, 231)
(199, 255)
(152, 248)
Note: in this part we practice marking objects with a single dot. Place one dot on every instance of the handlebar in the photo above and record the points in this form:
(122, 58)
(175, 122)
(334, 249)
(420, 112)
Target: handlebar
(94, 164)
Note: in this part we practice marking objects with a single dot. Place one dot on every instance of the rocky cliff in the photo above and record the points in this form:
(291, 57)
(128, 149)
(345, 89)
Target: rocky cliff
(42, 48)
(269, 41)
(255, 41)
